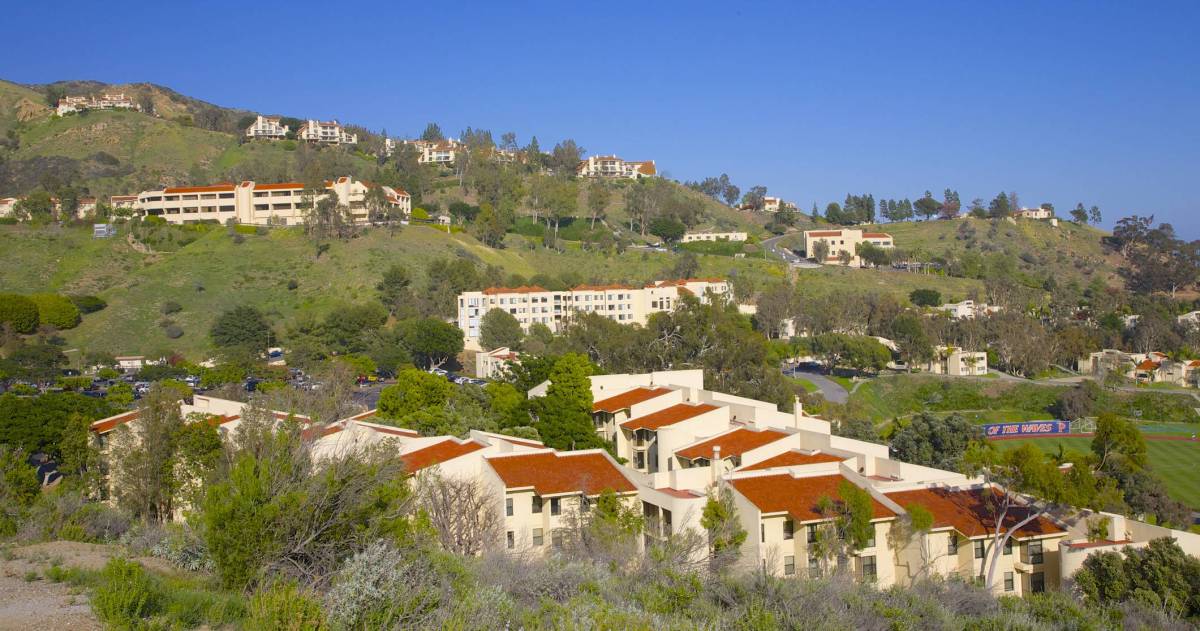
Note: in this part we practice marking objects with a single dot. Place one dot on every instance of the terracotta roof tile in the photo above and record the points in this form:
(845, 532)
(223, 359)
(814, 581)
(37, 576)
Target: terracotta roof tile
(223, 187)
(108, 424)
(532, 289)
(966, 511)
(438, 453)
(668, 416)
(734, 443)
(554, 473)
(625, 400)
(797, 497)
(876, 235)
(1148, 364)
(792, 458)
(823, 233)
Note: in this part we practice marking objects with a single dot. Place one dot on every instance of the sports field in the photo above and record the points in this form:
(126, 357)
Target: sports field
(1177, 461)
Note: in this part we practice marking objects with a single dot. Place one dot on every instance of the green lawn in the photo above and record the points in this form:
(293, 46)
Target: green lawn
(808, 386)
(1175, 461)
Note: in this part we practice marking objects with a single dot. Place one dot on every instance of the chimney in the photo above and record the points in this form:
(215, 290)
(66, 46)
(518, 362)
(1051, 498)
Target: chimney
(797, 410)
(715, 464)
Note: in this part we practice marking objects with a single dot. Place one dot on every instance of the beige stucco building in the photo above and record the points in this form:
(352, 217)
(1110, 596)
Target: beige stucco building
(326, 132)
(689, 237)
(615, 168)
(267, 127)
(956, 362)
(844, 240)
(106, 101)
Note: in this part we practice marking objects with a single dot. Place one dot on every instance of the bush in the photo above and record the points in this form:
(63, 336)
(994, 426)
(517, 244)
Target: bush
(55, 310)
(170, 307)
(385, 588)
(88, 304)
(182, 548)
(284, 607)
(18, 312)
(245, 229)
(125, 595)
(173, 331)
(292, 285)
(926, 297)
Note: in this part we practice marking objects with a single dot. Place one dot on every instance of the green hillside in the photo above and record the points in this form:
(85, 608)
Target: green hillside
(18, 104)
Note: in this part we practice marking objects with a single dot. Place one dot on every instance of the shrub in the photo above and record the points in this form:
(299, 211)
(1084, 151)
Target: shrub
(383, 587)
(182, 548)
(88, 304)
(238, 239)
(125, 595)
(173, 331)
(245, 229)
(55, 310)
(169, 307)
(926, 297)
(18, 312)
(284, 607)
(292, 285)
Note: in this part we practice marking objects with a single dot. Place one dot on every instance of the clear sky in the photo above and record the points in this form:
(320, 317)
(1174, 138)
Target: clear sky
(1061, 102)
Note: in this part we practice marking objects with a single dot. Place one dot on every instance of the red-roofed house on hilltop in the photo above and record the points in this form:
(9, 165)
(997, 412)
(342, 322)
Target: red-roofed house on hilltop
(615, 168)
(844, 240)
(106, 101)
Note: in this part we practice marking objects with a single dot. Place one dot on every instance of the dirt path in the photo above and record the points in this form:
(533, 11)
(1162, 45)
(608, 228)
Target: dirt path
(39, 603)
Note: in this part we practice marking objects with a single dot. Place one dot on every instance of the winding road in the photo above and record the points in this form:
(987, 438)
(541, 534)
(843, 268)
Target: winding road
(830, 389)
(773, 249)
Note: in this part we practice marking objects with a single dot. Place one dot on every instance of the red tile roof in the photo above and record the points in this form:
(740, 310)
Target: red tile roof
(792, 458)
(876, 235)
(668, 416)
(601, 287)
(967, 512)
(438, 453)
(625, 400)
(215, 188)
(1148, 364)
(278, 186)
(514, 290)
(797, 497)
(554, 473)
(108, 424)
(734, 443)
(823, 233)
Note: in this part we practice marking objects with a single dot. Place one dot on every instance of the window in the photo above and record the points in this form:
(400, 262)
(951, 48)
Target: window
(1037, 582)
(1007, 547)
(871, 541)
(952, 545)
(585, 504)
(1035, 552)
(979, 549)
(789, 529)
(812, 533)
(1008, 581)
(537, 504)
(508, 506)
(868, 568)
(512, 539)
(762, 532)
(814, 567)
(789, 565)
(555, 506)
(537, 536)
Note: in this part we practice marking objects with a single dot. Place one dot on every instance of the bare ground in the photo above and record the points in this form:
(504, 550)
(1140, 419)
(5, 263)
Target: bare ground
(41, 604)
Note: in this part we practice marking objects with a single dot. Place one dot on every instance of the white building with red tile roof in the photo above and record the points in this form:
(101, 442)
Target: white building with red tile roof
(845, 240)
(262, 204)
(626, 304)
(612, 167)
(326, 132)
(105, 101)
(267, 128)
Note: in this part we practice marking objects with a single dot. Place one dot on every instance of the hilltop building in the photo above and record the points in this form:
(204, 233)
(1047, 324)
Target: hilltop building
(707, 235)
(106, 101)
(326, 132)
(968, 309)
(844, 240)
(268, 128)
(626, 304)
(612, 167)
(281, 203)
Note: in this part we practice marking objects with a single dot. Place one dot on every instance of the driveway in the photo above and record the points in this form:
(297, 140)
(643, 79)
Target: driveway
(830, 389)
(774, 250)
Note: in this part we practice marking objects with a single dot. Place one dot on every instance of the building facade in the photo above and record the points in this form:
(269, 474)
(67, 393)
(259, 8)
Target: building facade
(844, 241)
(612, 167)
(626, 304)
(251, 203)
(689, 237)
(326, 132)
(106, 101)
(957, 362)
(267, 128)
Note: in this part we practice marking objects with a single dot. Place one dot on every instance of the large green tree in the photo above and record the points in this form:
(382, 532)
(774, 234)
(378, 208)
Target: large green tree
(432, 342)
(18, 312)
(500, 328)
(934, 441)
(242, 328)
(413, 391)
(565, 413)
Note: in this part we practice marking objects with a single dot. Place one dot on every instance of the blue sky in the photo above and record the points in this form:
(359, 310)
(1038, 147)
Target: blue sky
(1061, 102)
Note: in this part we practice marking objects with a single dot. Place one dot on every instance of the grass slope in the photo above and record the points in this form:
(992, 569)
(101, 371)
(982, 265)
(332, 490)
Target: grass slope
(1175, 461)
(18, 103)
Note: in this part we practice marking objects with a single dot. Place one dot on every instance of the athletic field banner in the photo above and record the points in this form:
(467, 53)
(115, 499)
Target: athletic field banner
(1026, 428)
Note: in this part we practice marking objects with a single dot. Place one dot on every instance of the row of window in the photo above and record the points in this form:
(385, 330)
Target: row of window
(536, 504)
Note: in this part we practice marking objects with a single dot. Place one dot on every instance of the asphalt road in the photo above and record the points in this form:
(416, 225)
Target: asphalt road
(830, 389)
(773, 249)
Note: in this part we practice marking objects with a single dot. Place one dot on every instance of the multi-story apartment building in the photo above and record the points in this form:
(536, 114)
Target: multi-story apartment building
(689, 237)
(442, 152)
(626, 304)
(787, 474)
(614, 167)
(844, 240)
(106, 101)
(968, 309)
(326, 132)
(957, 362)
(123, 201)
(267, 127)
(282, 203)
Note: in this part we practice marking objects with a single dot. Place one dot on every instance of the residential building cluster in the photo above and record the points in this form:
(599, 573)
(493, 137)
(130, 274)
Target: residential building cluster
(957, 362)
(769, 205)
(612, 167)
(690, 237)
(85, 206)
(682, 444)
(326, 132)
(280, 203)
(842, 241)
(627, 304)
(968, 309)
(106, 101)
(1152, 367)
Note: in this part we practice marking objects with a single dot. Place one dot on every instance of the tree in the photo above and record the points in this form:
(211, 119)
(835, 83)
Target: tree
(461, 512)
(1161, 575)
(56, 310)
(725, 533)
(927, 206)
(688, 266)
(146, 463)
(36, 206)
(432, 133)
(19, 487)
(18, 312)
(950, 205)
(925, 297)
(500, 328)
(668, 229)
(912, 341)
(565, 413)
(933, 441)
(1118, 444)
(241, 328)
(1094, 215)
(999, 207)
(34, 362)
(755, 197)
(432, 342)
(566, 157)
(1076, 403)
(395, 290)
(820, 251)
(1079, 214)
(598, 198)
